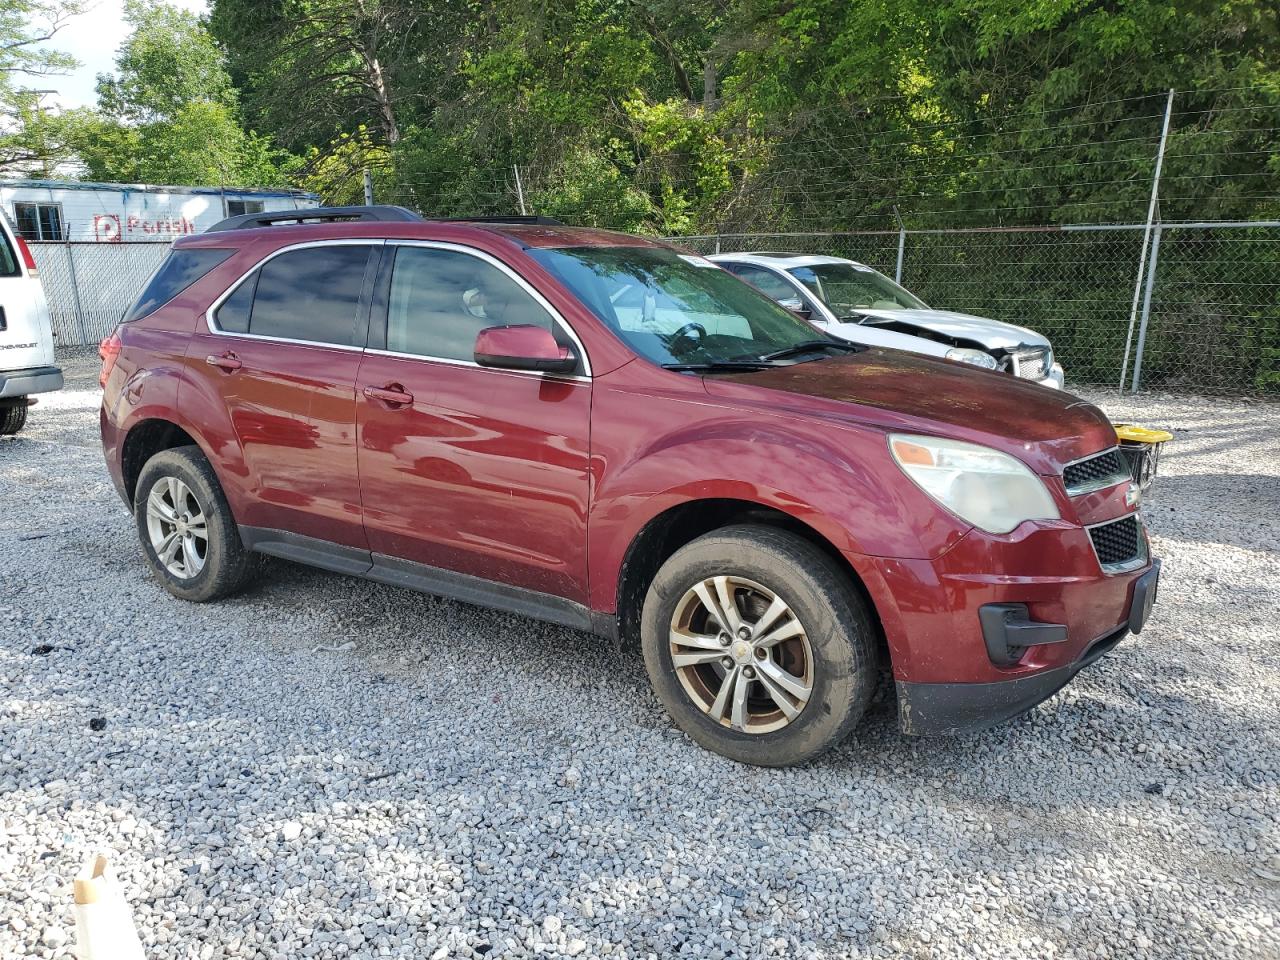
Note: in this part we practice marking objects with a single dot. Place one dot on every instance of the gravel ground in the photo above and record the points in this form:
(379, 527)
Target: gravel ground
(458, 783)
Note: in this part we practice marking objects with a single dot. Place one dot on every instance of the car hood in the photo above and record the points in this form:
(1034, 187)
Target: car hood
(892, 390)
(992, 334)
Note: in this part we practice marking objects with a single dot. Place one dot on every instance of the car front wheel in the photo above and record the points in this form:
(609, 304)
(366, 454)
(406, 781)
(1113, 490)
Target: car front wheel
(758, 645)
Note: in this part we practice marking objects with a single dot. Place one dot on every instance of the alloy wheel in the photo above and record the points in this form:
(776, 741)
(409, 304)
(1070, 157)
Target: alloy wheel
(177, 528)
(741, 654)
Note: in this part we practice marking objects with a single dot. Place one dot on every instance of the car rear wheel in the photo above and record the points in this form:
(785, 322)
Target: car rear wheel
(758, 645)
(186, 528)
(13, 416)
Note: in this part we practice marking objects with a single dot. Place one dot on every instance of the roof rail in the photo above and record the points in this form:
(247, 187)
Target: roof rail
(515, 219)
(383, 213)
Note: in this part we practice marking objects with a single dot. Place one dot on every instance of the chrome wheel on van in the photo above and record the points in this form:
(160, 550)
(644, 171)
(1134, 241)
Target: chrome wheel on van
(741, 654)
(177, 528)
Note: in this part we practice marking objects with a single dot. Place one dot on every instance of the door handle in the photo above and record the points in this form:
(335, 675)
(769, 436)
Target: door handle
(228, 362)
(392, 394)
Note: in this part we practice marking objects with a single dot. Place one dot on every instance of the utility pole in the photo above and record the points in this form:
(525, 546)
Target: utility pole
(368, 188)
(519, 190)
(1146, 238)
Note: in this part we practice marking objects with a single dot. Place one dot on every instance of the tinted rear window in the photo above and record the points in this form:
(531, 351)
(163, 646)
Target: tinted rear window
(179, 271)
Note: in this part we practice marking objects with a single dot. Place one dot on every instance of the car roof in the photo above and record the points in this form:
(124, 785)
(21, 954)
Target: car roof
(527, 235)
(782, 261)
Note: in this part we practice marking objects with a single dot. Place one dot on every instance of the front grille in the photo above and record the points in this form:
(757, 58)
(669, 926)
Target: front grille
(1031, 364)
(1103, 470)
(1117, 543)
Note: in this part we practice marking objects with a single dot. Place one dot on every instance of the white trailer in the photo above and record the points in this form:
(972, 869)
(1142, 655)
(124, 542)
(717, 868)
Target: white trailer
(61, 211)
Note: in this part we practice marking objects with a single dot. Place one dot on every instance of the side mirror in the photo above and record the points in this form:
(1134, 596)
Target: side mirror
(796, 306)
(523, 347)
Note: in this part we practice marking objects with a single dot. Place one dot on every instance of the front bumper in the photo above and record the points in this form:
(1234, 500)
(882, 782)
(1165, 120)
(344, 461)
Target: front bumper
(995, 624)
(928, 709)
(22, 383)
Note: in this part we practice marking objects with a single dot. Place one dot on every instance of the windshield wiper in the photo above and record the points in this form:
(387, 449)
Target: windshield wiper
(761, 364)
(808, 346)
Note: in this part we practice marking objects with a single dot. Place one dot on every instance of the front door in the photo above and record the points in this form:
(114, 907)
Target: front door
(464, 468)
(281, 355)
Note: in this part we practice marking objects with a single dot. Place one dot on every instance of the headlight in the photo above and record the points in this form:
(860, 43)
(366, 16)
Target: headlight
(975, 357)
(979, 485)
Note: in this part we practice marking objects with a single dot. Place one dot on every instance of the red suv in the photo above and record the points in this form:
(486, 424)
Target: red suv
(608, 433)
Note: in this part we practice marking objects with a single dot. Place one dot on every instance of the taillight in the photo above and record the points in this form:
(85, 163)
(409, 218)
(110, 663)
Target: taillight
(109, 351)
(27, 258)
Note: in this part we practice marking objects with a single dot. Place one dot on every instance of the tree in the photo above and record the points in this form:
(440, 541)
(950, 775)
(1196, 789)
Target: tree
(28, 141)
(315, 69)
(169, 114)
(999, 111)
(203, 143)
(169, 61)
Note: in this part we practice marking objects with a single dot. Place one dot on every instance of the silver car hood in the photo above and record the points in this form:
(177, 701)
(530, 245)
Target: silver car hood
(992, 334)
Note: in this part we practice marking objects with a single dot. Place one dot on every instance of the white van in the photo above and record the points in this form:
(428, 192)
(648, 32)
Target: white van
(26, 336)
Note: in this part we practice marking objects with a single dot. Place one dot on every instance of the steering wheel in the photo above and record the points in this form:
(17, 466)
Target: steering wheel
(688, 328)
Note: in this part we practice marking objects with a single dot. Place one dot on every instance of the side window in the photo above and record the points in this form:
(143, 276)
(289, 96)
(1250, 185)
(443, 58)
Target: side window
(39, 221)
(440, 299)
(236, 208)
(767, 282)
(308, 294)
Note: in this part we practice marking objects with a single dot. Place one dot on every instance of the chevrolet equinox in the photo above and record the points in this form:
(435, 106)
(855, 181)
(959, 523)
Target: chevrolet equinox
(608, 433)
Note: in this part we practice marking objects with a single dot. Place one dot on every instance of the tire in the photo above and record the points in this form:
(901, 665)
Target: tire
(834, 651)
(13, 417)
(225, 565)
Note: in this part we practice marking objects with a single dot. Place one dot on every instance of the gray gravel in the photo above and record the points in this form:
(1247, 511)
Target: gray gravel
(462, 783)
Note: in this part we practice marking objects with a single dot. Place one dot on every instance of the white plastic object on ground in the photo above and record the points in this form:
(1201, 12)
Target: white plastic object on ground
(104, 922)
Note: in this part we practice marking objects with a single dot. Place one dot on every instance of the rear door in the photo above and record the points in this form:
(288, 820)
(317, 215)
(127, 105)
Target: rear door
(280, 351)
(464, 468)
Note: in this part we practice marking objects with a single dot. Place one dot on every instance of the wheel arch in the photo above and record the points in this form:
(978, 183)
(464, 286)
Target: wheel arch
(144, 439)
(683, 523)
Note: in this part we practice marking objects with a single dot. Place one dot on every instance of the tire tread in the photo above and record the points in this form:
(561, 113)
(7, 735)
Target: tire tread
(13, 417)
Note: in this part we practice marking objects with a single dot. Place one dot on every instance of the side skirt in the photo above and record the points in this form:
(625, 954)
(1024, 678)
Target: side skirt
(425, 579)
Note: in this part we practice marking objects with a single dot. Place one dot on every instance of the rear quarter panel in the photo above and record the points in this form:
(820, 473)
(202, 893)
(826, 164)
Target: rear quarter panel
(150, 381)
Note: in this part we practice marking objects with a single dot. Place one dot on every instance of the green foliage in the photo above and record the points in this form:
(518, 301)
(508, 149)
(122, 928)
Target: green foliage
(996, 111)
(168, 62)
(29, 141)
(203, 143)
(170, 113)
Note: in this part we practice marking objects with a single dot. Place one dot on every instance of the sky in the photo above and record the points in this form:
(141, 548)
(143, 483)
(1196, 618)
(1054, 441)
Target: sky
(92, 38)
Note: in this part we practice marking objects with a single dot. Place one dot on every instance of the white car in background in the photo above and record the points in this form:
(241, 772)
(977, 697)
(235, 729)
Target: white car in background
(854, 302)
(26, 336)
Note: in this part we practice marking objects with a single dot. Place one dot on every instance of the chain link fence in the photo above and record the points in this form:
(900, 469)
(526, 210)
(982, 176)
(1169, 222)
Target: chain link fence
(1206, 318)
(90, 285)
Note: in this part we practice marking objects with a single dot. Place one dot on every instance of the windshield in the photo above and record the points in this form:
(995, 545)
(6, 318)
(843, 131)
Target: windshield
(847, 288)
(675, 308)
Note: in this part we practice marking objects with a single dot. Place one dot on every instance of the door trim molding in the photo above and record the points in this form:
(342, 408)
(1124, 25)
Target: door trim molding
(426, 579)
